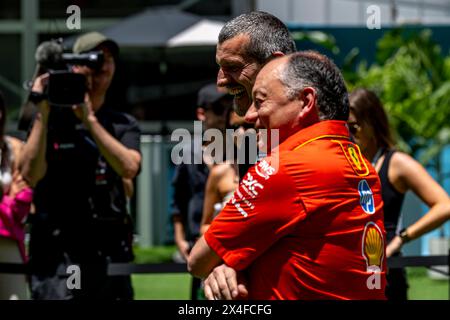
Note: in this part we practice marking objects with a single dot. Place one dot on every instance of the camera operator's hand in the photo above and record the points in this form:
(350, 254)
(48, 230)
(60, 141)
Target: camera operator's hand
(39, 85)
(84, 111)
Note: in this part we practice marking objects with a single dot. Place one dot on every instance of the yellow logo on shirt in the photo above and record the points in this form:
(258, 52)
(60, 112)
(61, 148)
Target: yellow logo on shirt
(373, 247)
(354, 158)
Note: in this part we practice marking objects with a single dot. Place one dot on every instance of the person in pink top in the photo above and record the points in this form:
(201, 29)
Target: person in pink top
(15, 204)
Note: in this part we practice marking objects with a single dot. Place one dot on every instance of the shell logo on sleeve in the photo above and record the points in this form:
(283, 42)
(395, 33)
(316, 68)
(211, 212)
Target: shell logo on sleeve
(373, 247)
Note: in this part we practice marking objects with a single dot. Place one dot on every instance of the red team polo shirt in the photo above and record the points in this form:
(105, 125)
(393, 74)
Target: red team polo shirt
(307, 221)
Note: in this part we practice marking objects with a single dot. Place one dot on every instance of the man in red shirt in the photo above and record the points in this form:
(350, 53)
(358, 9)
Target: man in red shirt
(307, 221)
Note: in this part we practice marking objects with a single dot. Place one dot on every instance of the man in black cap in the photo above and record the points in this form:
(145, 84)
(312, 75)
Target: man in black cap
(190, 178)
(77, 159)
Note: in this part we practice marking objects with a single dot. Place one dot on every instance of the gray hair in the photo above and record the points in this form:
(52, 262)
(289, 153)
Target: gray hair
(267, 33)
(312, 69)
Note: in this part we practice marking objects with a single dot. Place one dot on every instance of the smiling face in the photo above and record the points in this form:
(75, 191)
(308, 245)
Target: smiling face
(274, 109)
(237, 71)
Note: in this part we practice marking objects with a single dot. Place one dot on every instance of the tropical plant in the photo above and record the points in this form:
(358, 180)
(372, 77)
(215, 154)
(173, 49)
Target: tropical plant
(412, 78)
(319, 38)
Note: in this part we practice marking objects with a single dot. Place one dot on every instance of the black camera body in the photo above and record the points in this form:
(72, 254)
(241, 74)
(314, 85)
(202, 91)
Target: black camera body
(65, 88)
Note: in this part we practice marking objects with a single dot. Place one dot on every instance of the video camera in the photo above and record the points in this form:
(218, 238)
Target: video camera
(64, 88)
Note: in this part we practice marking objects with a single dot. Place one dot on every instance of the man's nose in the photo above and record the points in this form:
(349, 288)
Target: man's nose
(221, 78)
(252, 114)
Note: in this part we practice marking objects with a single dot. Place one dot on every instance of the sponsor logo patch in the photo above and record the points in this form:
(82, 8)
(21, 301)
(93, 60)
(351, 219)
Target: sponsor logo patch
(373, 246)
(366, 197)
(354, 158)
(264, 169)
(373, 253)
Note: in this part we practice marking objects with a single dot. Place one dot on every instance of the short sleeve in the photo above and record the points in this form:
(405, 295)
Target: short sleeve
(263, 209)
(129, 133)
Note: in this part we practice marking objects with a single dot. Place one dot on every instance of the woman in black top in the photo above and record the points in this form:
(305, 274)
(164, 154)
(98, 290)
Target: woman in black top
(398, 173)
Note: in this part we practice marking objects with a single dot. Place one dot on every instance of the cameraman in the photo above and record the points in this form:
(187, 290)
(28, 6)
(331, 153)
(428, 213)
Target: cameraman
(77, 159)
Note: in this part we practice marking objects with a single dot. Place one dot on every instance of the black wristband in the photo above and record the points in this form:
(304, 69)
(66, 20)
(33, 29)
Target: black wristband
(36, 97)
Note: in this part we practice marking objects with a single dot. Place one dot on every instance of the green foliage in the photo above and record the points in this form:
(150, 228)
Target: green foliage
(317, 37)
(412, 78)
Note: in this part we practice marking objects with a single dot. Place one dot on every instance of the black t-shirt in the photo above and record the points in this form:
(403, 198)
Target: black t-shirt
(81, 199)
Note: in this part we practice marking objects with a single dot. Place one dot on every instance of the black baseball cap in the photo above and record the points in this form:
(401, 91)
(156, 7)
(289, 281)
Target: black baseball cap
(209, 95)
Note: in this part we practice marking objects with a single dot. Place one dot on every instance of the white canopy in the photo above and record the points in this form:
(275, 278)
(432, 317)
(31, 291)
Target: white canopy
(202, 33)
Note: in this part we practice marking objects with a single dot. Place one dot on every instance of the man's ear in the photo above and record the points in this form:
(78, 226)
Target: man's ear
(200, 112)
(308, 98)
(277, 54)
(274, 55)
